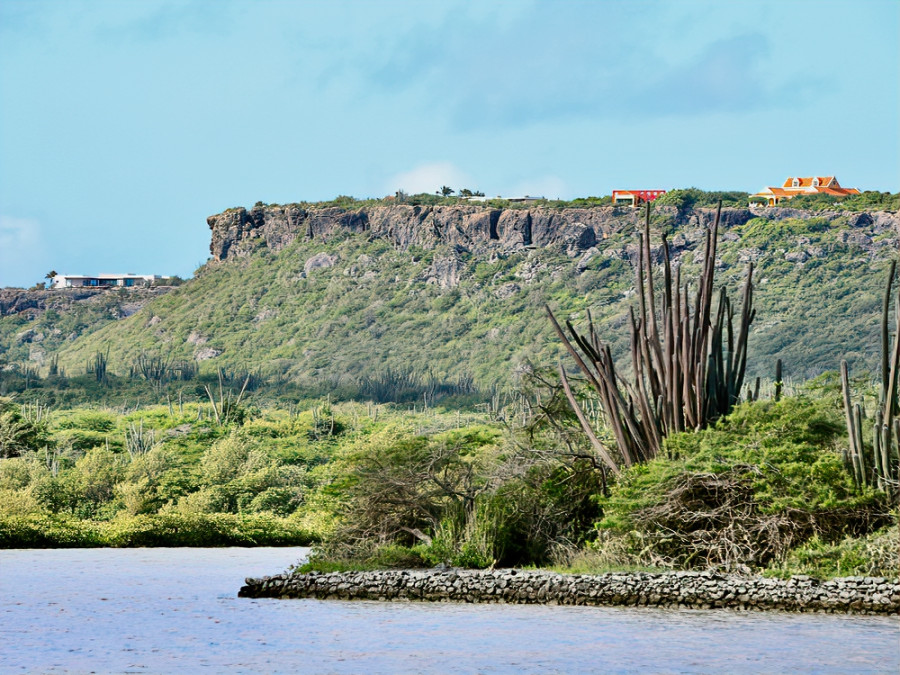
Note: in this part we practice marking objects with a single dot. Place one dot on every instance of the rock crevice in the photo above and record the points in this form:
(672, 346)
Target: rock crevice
(479, 229)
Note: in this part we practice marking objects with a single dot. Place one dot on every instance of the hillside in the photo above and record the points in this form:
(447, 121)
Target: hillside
(35, 324)
(334, 297)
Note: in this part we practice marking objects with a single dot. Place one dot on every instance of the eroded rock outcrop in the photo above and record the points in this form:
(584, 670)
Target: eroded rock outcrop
(34, 302)
(480, 229)
(237, 232)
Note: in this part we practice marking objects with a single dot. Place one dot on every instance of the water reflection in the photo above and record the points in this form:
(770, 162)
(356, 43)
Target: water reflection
(176, 610)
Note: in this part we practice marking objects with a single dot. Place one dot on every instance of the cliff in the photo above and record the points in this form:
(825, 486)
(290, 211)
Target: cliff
(334, 297)
(477, 229)
(36, 323)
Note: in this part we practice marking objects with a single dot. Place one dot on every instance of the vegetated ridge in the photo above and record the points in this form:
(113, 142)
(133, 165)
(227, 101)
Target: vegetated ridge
(769, 488)
(333, 297)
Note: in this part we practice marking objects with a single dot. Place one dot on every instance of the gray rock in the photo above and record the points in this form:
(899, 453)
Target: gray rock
(319, 261)
(206, 353)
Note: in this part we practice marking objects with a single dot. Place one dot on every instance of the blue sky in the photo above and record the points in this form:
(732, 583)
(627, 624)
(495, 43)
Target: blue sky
(124, 124)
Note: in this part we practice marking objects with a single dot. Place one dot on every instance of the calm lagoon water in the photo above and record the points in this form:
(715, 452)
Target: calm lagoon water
(176, 611)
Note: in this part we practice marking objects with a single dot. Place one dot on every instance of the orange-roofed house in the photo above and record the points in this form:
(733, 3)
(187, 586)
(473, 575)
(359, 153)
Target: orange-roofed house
(804, 186)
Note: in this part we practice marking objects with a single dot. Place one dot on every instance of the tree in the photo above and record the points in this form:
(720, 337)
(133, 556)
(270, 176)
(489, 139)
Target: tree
(880, 467)
(688, 358)
(402, 486)
(50, 275)
(18, 434)
(445, 191)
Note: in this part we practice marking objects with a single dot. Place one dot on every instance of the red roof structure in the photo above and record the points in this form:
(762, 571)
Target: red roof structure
(635, 197)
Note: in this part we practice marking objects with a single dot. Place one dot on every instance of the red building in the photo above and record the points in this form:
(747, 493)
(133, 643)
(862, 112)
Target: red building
(635, 197)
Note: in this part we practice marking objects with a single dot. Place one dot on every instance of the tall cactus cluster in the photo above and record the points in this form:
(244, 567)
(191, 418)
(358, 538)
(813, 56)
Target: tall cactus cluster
(688, 361)
(878, 464)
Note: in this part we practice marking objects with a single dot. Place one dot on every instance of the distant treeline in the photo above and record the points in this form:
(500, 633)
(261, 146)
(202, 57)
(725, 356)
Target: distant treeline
(683, 199)
(153, 379)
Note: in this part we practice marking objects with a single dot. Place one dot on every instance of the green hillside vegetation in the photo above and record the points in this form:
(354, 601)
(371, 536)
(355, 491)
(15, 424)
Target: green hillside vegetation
(175, 477)
(397, 420)
(373, 322)
(865, 201)
(682, 198)
(59, 324)
(767, 489)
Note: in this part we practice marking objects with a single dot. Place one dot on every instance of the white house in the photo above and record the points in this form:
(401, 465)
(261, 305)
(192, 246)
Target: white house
(102, 280)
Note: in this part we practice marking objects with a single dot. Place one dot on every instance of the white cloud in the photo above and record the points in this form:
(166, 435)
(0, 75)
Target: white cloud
(21, 251)
(430, 178)
(551, 187)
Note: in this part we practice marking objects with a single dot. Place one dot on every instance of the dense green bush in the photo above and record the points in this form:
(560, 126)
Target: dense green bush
(746, 491)
(686, 199)
(357, 329)
(872, 555)
(46, 531)
(18, 434)
(198, 483)
(866, 201)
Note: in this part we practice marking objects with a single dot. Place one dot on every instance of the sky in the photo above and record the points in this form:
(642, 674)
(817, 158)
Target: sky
(123, 125)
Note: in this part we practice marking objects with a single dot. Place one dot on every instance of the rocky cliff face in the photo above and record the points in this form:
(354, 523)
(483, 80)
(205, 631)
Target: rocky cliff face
(475, 229)
(33, 303)
(36, 323)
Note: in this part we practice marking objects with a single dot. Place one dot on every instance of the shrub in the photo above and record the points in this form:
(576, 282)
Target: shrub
(17, 434)
(88, 420)
(393, 556)
(746, 491)
(45, 531)
(281, 501)
(873, 555)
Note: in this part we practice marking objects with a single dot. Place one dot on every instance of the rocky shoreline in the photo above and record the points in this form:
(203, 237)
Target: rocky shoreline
(698, 590)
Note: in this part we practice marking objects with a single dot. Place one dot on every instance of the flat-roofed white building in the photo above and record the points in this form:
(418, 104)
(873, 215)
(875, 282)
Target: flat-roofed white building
(102, 280)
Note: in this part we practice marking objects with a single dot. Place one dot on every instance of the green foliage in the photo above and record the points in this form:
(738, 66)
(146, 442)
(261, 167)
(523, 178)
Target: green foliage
(686, 199)
(394, 556)
(196, 484)
(88, 420)
(787, 449)
(18, 435)
(872, 555)
(370, 316)
(866, 201)
(401, 489)
(44, 531)
(770, 474)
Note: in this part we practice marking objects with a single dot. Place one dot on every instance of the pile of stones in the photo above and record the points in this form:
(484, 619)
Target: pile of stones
(701, 590)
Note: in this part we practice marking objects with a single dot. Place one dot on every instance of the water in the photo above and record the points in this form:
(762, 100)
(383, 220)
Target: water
(176, 611)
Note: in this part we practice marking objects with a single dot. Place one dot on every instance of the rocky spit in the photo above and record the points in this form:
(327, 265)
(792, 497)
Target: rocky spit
(697, 590)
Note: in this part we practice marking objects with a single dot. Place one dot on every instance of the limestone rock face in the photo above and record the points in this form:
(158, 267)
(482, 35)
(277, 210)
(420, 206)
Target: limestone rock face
(468, 228)
(445, 271)
(34, 302)
(481, 230)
